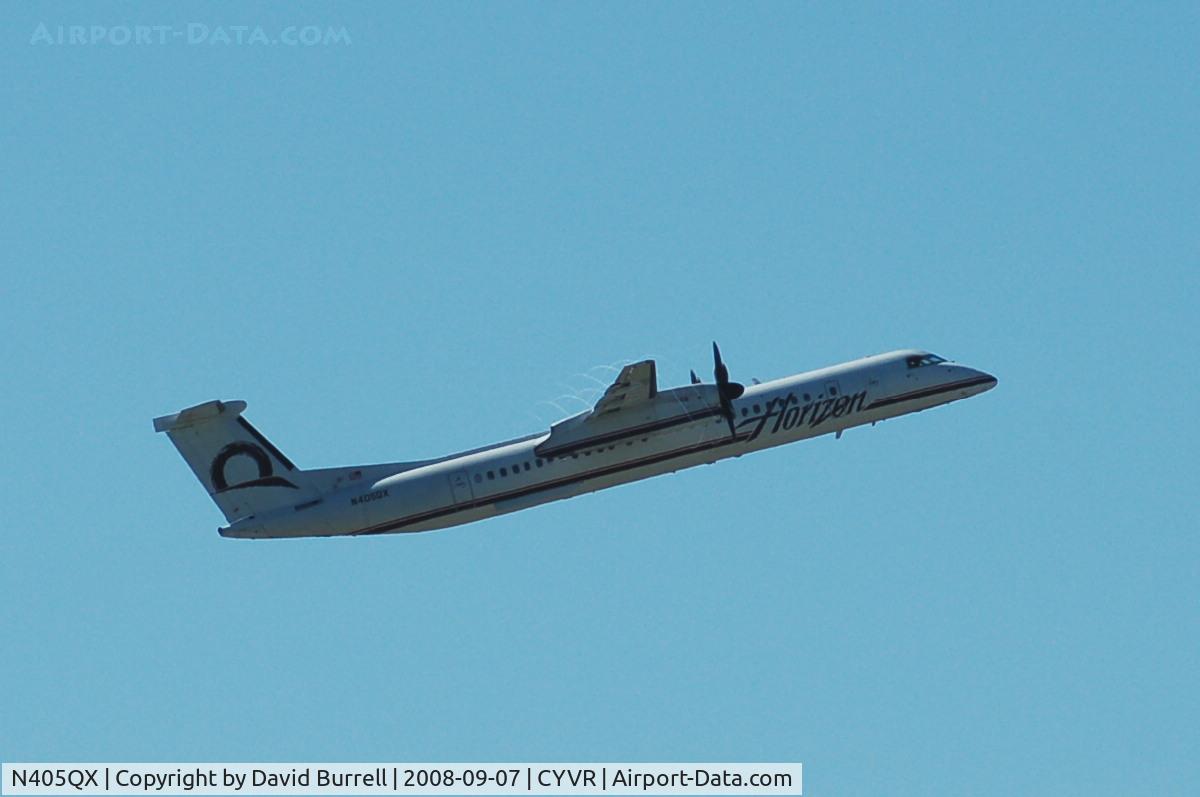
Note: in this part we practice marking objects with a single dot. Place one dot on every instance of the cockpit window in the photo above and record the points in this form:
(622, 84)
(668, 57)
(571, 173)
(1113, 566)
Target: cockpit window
(919, 360)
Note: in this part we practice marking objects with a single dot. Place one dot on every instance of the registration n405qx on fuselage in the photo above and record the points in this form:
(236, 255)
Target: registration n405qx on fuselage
(634, 431)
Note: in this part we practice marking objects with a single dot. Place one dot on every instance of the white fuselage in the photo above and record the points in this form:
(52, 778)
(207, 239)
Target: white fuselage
(511, 475)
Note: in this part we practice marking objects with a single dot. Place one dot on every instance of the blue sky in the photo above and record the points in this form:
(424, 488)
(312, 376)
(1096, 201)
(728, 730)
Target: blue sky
(396, 248)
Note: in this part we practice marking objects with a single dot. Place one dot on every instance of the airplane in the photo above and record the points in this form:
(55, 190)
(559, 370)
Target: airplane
(633, 432)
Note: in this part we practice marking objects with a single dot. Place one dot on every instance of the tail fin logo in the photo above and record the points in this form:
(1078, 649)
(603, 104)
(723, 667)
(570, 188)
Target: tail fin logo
(266, 470)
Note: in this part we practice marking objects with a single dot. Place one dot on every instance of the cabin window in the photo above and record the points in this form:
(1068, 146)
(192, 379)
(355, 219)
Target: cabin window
(538, 462)
(478, 478)
(491, 474)
(526, 466)
(807, 397)
(504, 471)
(757, 409)
(745, 412)
(832, 390)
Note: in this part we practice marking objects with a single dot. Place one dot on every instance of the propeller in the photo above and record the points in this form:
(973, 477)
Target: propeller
(726, 391)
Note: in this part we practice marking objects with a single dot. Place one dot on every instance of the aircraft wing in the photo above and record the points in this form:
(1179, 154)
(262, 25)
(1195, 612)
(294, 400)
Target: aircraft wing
(631, 406)
(627, 406)
(637, 383)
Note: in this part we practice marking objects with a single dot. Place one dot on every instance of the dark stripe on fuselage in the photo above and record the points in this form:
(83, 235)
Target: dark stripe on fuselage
(931, 391)
(621, 434)
(394, 525)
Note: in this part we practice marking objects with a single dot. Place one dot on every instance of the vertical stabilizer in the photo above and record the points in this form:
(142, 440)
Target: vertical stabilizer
(243, 471)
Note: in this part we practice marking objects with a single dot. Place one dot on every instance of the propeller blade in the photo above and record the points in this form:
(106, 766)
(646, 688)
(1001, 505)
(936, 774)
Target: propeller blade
(726, 391)
(720, 372)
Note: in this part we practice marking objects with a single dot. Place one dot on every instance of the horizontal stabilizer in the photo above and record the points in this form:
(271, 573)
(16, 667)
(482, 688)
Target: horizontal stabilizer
(199, 414)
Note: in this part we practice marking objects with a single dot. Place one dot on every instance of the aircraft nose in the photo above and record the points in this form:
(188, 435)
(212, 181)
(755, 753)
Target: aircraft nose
(971, 379)
(985, 380)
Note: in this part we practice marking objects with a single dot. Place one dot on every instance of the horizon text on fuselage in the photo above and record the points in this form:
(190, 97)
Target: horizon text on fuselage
(789, 413)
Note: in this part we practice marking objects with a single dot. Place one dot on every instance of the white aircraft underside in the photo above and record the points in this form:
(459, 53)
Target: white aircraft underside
(633, 432)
